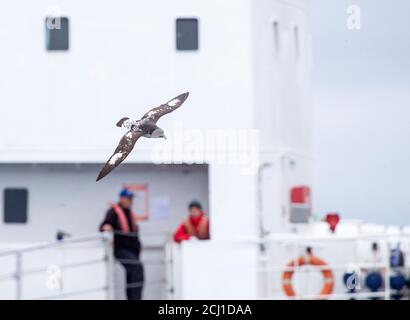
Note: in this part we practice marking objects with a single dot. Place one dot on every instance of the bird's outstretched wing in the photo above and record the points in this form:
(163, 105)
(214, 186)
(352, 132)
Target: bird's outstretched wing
(123, 149)
(156, 113)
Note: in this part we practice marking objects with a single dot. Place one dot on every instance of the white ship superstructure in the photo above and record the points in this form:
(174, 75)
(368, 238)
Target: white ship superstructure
(240, 144)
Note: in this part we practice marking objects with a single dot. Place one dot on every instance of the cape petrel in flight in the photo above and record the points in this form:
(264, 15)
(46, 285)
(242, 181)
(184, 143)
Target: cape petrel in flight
(145, 127)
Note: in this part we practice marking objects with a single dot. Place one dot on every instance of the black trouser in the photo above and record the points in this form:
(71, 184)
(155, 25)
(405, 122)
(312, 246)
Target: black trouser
(134, 272)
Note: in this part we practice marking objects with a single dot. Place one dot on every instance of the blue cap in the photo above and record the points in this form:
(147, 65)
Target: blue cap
(126, 193)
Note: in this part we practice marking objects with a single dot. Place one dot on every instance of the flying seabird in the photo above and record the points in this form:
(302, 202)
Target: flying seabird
(145, 127)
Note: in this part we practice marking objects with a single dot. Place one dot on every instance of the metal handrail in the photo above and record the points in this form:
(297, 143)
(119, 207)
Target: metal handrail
(108, 258)
(99, 236)
(105, 238)
(300, 242)
(326, 267)
(7, 276)
(73, 293)
(313, 238)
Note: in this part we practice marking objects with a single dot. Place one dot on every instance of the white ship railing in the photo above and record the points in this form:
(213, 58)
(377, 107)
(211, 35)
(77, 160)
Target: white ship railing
(297, 244)
(271, 265)
(103, 241)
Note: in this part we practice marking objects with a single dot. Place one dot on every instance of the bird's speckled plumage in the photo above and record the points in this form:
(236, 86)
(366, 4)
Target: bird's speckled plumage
(139, 128)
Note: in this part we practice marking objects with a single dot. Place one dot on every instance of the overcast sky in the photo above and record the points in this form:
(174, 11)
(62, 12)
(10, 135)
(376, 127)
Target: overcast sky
(362, 110)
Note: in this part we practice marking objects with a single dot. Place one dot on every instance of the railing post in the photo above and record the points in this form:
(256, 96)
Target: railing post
(18, 276)
(109, 263)
(169, 284)
(296, 269)
(387, 271)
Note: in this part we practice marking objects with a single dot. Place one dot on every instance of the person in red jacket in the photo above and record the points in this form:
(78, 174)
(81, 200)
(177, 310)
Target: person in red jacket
(196, 225)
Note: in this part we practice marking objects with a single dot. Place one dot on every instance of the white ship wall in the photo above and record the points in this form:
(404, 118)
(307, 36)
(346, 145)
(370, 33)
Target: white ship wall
(61, 107)
(122, 61)
(282, 102)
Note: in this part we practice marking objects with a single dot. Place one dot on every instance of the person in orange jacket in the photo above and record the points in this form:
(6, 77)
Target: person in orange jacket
(123, 222)
(196, 225)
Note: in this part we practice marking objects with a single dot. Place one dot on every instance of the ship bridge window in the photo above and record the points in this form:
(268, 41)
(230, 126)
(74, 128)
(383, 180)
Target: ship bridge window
(187, 34)
(57, 33)
(15, 205)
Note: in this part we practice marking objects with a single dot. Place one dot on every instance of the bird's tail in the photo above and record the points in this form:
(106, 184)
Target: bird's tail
(122, 121)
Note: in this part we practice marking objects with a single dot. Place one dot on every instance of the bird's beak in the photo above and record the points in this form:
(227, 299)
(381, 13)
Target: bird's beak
(165, 137)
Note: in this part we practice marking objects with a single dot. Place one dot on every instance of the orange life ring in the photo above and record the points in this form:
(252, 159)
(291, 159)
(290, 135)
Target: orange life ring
(328, 285)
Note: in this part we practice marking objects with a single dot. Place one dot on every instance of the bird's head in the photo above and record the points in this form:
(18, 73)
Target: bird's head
(158, 133)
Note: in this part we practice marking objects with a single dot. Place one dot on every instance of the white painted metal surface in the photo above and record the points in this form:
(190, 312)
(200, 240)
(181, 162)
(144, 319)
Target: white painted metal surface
(61, 108)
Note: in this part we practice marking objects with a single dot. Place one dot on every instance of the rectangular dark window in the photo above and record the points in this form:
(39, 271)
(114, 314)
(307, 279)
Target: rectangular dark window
(15, 205)
(187, 34)
(57, 33)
